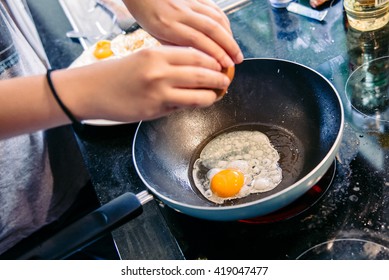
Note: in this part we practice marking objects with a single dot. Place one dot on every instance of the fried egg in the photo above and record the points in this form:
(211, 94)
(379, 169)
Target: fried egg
(120, 46)
(236, 164)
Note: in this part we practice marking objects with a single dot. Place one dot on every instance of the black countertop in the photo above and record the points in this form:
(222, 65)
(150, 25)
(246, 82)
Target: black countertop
(354, 208)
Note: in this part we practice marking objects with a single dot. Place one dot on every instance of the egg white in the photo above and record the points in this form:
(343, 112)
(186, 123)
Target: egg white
(121, 46)
(248, 151)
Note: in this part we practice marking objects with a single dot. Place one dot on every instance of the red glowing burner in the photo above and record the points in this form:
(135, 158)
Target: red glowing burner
(300, 205)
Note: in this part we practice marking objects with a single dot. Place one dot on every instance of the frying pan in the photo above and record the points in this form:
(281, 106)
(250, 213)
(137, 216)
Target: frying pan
(296, 107)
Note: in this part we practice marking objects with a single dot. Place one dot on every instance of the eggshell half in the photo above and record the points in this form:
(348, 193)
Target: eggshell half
(230, 72)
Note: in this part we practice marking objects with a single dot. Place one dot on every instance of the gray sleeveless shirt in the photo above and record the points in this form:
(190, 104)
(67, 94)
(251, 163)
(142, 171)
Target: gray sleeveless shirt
(41, 173)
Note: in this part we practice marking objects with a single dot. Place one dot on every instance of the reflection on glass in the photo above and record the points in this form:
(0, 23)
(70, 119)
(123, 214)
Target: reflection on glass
(346, 249)
(286, 26)
(366, 46)
(368, 88)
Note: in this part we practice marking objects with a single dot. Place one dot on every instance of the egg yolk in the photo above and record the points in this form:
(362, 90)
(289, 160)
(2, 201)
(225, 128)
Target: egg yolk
(103, 49)
(227, 182)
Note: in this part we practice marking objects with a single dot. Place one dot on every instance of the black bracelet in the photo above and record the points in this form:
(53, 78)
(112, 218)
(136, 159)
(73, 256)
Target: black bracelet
(67, 112)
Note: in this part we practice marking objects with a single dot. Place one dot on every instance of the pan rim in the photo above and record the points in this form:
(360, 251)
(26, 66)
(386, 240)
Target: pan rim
(308, 177)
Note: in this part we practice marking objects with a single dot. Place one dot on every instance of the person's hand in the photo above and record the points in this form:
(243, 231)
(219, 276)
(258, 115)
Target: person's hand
(145, 85)
(195, 23)
(317, 3)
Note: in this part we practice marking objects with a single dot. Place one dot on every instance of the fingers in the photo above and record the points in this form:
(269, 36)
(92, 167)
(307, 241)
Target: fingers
(189, 76)
(188, 68)
(188, 57)
(199, 78)
(204, 33)
(198, 23)
(193, 86)
(210, 20)
(182, 99)
(190, 98)
(200, 40)
(209, 8)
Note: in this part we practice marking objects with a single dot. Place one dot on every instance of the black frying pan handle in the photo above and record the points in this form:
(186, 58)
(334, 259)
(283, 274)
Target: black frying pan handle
(88, 229)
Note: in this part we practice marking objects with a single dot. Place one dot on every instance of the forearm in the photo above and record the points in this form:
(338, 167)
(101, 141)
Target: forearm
(129, 4)
(145, 85)
(27, 105)
(137, 8)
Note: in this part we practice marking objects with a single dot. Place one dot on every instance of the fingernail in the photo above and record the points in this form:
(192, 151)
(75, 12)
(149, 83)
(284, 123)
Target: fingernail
(239, 57)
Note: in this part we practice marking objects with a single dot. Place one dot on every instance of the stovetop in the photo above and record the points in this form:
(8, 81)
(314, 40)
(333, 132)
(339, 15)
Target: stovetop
(347, 218)
(348, 221)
